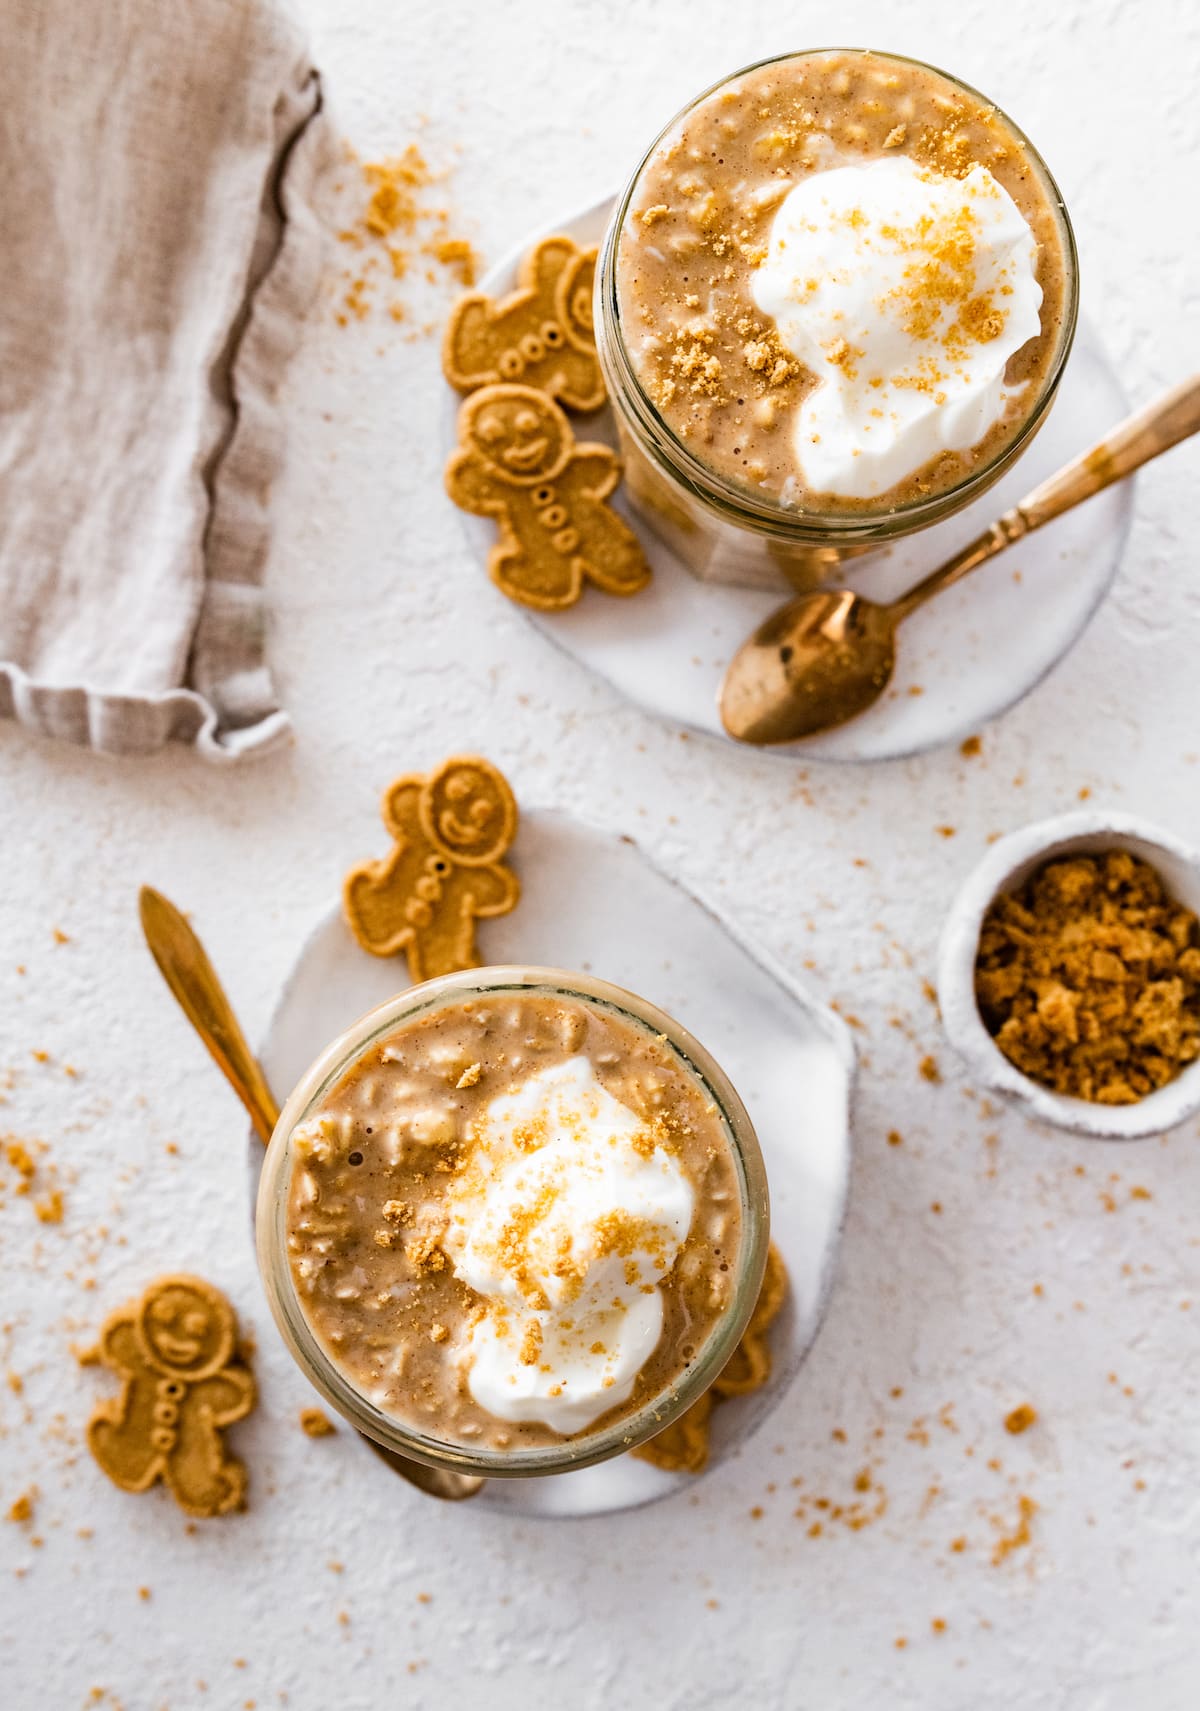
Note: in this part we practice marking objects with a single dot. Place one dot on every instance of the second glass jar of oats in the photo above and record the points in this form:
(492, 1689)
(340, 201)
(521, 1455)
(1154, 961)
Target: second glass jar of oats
(513, 1222)
(833, 306)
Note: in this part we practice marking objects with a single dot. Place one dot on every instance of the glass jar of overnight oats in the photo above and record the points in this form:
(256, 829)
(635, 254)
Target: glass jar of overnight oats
(513, 1222)
(833, 306)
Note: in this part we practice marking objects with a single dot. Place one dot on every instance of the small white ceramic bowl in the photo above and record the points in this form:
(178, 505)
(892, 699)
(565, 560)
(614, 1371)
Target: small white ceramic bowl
(1005, 866)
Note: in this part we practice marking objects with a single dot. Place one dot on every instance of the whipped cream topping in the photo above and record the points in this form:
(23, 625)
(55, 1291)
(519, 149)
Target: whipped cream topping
(904, 292)
(566, 1220)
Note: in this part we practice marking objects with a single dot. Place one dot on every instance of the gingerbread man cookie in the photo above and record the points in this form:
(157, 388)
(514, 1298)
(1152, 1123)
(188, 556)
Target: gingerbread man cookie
(683, 1447)
(174, 1350)
(749, 1366)
(541, 334)
(445, 872)
(518, 462)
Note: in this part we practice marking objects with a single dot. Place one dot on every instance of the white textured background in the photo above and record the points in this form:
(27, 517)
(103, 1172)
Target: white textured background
(1039, 1280)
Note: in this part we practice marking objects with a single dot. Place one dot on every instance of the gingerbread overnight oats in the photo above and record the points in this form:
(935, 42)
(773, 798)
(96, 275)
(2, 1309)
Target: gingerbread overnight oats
(518, 1221)
(835, 303)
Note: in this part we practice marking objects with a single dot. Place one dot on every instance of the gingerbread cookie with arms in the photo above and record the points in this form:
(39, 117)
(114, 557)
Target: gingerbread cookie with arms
(182, 1385)
(683, 1446)
(518, 462)
(541, 334)
(444, 874)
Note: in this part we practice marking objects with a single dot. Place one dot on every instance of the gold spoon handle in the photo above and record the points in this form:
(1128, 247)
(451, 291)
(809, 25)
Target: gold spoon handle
(184, 965)
(1144, 435)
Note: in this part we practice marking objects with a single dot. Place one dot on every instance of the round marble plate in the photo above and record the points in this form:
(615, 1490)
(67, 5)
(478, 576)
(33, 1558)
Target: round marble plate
(594, 902)
(963, 660)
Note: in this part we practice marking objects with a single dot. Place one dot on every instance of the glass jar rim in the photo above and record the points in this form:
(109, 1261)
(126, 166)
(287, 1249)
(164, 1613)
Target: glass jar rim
(584, 1449)
(768, 516)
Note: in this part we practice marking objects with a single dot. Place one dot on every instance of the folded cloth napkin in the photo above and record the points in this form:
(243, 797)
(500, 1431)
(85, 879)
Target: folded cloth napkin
(159, 252)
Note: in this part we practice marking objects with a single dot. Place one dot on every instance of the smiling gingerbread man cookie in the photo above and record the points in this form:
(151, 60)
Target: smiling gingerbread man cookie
(174, 1350)
(445, 872)
(518, 462)
(541, 334)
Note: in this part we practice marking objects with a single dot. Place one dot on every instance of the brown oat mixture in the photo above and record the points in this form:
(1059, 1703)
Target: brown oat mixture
(698, 225)
(1088, 976)
(369, 1200)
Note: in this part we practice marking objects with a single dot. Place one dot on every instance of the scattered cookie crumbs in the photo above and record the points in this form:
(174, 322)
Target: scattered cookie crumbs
(61, 938)
(50, 1210)
(1020, 1535)
(928, 1069)
(947, 832)
(398, 221)
(315, 1423)
(144, 1594)
(1088, 978)
(895, 1138)
(970, 747)
(21, 1509)
(469, 1076)
(1020, 1419)
(1137, 1192)
(457, 255)
(21, 1160)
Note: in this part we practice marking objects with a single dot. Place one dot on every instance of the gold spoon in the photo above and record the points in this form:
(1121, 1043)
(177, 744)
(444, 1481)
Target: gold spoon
(184, 965)
(828, 655)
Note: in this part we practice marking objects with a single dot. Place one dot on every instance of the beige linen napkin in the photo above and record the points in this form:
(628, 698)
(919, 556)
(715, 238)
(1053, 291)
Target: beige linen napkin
(159, 251)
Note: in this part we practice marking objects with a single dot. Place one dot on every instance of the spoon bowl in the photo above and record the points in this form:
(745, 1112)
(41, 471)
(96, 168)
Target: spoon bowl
(819, 661)
(828, 655)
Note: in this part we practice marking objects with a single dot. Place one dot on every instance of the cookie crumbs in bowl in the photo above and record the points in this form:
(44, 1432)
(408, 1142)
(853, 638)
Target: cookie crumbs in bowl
(1088, 978)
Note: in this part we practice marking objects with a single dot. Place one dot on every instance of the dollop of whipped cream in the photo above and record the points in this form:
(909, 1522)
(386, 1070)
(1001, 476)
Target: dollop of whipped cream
(905, 293)
(566, 1220)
